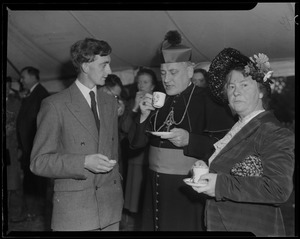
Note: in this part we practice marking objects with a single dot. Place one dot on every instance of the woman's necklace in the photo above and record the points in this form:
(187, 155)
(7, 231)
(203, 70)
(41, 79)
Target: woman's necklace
(169, 121)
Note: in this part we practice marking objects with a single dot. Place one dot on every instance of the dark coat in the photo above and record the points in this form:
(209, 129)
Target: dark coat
(13, 104)
(26, 122)
(251, 204)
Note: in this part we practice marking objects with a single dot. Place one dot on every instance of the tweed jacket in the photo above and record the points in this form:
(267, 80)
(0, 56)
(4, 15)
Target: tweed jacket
(252, 203)
(67, 132)
(26, 122)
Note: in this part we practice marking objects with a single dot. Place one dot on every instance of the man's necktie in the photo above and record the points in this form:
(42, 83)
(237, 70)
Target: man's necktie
(94, 109)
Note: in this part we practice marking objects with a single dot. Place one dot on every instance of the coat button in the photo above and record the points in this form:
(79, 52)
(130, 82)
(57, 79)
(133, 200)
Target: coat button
(115, 181)
(82, 143)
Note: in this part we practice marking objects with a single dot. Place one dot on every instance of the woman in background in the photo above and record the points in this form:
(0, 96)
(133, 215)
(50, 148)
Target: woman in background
(200, 77)
(146, 82)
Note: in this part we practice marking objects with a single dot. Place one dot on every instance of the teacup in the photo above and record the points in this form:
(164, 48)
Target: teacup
(158, 99)
(198, 171)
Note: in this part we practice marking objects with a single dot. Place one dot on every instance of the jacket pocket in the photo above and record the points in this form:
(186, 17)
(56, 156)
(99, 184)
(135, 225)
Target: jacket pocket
(72, 184)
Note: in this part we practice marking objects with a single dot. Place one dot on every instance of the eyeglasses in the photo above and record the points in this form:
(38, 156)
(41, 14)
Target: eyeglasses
(113, 94)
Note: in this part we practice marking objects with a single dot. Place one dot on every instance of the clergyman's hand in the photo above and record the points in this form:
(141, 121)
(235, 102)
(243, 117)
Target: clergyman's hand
(179, 137)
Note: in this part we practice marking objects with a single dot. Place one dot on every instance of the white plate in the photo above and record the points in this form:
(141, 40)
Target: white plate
(189, 181)
(160, 133)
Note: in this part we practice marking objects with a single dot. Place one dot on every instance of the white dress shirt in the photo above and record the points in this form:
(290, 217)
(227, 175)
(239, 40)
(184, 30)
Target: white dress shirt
(86, 93)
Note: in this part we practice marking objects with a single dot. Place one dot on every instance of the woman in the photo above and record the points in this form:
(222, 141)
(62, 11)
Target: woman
(251, 170)
(137, 159)
(200, 77)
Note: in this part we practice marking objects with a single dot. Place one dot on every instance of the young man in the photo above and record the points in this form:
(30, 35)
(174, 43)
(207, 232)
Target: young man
(77, 150)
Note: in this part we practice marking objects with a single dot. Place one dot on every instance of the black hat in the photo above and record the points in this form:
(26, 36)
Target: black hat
(229, 59)
(172, 49)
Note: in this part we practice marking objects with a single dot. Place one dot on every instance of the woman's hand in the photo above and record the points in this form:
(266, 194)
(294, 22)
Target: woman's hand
(209, 189)
(146, 107)
(138, 97)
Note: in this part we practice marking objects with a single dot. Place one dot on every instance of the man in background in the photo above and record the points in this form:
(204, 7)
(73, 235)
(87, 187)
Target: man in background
(26, 129)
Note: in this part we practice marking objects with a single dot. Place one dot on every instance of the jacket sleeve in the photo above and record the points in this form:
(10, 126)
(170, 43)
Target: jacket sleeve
(137, 135)
(128, 118)
(200, 146)
(46, 159)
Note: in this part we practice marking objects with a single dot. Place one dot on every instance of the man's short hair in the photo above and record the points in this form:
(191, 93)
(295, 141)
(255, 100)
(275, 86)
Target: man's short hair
(85, 51)
(32, 71)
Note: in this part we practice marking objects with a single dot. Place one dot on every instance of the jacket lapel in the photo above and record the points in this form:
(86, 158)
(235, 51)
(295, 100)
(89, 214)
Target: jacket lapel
(81, 110)
(249, 129)
(106, 110)
(102, 108)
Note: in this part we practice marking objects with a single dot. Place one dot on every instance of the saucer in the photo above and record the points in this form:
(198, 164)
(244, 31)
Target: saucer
(189, 181)
(160, 133)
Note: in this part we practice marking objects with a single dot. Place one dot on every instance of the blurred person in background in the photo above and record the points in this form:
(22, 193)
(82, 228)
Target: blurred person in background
(33, 186)
(114, 86)
(146, 82)
(13, 167)
(200, 77)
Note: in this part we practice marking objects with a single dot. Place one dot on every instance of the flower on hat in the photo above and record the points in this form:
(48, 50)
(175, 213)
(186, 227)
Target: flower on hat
(267, 75)
(259, 68)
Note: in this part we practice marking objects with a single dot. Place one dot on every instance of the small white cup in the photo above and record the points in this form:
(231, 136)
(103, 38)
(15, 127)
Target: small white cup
(198, 172)
(158, 99)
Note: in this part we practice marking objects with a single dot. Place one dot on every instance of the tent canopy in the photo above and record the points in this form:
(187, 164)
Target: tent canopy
(43, 38)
